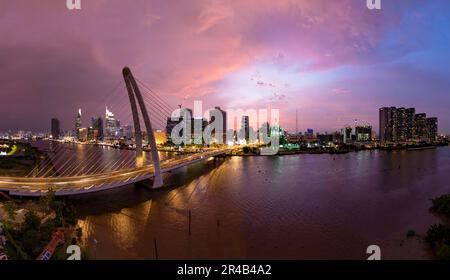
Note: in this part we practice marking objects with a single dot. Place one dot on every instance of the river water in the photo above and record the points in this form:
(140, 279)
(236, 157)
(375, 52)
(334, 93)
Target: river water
(283, 207)
(71, 159)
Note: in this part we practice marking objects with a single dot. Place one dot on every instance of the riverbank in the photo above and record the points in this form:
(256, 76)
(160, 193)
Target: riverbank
(254, 151)
(22, 161)
(438, 235)
(29, 228)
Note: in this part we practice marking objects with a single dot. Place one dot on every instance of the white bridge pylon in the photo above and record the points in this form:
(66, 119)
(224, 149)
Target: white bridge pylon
(134, 95)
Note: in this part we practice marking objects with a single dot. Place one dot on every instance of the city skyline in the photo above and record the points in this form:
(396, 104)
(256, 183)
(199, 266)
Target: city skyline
(332, 61)
(97, 124)
(225, 136)
(397, 125)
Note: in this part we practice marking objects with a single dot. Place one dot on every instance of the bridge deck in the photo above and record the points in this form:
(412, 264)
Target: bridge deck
(38, 186)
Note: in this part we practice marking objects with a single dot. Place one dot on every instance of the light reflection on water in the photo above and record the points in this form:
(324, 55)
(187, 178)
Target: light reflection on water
(290, 207)
(70, 159)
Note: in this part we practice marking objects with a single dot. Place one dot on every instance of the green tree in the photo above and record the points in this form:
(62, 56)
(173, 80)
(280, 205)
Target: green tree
(31, 222)
(66, 212)
(438, 235)
(10, 210)
(47, 202)
(441, 205)
(443, 252)
(30, 241)
(69, 213)
(13, 249)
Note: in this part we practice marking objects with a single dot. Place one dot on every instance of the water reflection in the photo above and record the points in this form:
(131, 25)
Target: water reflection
(290, 207)
(69, 159)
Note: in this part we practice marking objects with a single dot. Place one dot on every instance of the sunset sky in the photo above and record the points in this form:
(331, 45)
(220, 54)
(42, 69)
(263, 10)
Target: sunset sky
(334, 61)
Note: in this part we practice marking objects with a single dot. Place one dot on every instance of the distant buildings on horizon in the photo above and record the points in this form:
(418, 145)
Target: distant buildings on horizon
(403, 125)
(396, 125)
(107, 128)
(197, 122)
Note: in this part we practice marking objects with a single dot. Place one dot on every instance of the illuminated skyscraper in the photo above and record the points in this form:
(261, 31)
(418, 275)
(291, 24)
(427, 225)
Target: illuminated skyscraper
(185, 115)
(404, 123)
(400, 124)
(245, 127)
(110, 125)
(83, 134)
(421, 126)
(387, 124)
(55, 128)
(396, 124)
(78, 123)
(97, 126)
(410, 113)
(219, 135)
(432, 128)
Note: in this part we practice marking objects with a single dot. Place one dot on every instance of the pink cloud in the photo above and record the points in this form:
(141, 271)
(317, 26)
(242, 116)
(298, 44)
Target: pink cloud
(340, 91)
(180, 48)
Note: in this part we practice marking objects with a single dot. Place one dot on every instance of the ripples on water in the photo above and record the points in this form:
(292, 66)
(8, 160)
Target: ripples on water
(287, 207)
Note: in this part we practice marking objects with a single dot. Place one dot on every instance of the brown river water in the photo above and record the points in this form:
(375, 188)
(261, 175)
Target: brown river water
(282, 207)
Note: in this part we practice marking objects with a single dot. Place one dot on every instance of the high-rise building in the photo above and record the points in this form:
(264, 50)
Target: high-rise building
(325, 139)
(363, 133)
(198, 126)
(91, 134)
(78, 123)
(171, 123)
(119, 130)
(55, 128)
(128, 132)
(388, 116)
(347, 134)
(338, 138)
(245, 128)
(277, 131)
(397, 124)
(219, 135)
(160, 137)
(264, 133)
(97, 128)
(421, 126)
(404, 124)
(169, 127)
(432, 128)
(400, 125)
(410, 122)
(110, 125)
(83, 134)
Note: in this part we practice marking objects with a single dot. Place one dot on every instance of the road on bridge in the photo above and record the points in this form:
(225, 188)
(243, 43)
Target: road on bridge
(38, 186)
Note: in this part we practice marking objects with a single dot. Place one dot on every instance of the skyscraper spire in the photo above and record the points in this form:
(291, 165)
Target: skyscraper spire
(78, 123)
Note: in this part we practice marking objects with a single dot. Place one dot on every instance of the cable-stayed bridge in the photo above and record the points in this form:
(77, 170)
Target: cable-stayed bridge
(69, 169)
(71, 185)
